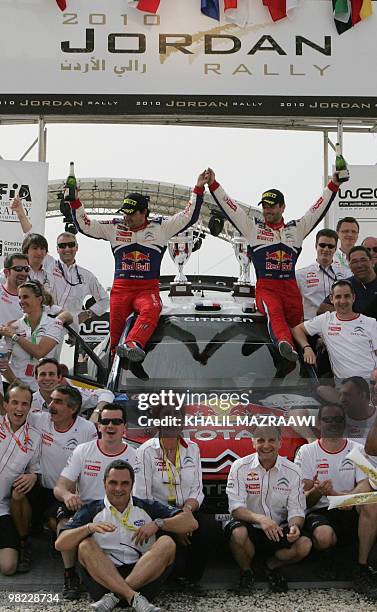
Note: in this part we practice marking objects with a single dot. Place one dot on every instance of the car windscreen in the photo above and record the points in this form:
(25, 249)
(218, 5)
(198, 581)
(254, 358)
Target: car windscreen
(197, 351)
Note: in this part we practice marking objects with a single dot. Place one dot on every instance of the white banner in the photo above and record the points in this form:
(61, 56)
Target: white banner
(357, 499)
(358, 198)
(30, 180)
(101, 57)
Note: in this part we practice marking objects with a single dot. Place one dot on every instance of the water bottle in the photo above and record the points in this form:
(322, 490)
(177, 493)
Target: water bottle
(3, 354)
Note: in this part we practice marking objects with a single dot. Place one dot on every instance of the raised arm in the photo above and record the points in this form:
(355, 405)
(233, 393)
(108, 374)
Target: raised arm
(317, 211)
(189, 216)
(17, 207)
(103, 230)
(234, 213)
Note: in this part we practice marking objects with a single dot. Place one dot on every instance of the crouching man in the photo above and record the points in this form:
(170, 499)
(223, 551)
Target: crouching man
(119, 555)
(267, 503)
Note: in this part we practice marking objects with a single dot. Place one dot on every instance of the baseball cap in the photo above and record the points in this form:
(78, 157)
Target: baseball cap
(272, 196)
(134, 202)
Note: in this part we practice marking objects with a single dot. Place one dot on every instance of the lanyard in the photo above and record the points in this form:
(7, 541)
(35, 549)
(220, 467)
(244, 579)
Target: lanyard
(123, 520)
(333, 278)
(66, 279)
(172, 499)
(15, 438)
(33, 337)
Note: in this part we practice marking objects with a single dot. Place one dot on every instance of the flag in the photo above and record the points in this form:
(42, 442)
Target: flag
(61, 4)
(253, 12)
(148, 6)
(279, 8)
(210, 8)
(348, 13)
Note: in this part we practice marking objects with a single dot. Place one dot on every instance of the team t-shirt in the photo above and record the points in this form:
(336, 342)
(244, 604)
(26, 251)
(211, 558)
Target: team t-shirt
(318, 463)
(57, 446)
(350, 344)
(10, 309)
(87, 466)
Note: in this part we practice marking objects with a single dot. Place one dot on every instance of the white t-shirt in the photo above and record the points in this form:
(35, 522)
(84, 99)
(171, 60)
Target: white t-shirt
(19, 451)
(350, 344)
(358, 429)
(314, 460)
(10, 309)
(21, 363)
(57, 446)
(87, 465)
(315, 284)
(151, 476)
(276, 493)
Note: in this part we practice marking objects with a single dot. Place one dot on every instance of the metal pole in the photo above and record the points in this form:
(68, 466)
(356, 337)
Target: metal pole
(327, 223)
(41, 140)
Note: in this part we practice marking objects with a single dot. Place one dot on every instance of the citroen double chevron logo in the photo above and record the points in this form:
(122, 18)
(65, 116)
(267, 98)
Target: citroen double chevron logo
(347, 463)
(283, 482)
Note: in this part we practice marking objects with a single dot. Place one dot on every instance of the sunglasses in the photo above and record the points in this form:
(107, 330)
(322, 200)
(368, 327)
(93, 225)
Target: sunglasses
(332, 419)
(20, 268)
(65, 245)
(113, 421)
(374, 249)
(325, 245)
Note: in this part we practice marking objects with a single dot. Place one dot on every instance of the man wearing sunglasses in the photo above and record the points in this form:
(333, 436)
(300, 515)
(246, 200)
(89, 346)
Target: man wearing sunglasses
(326, 470)
(138, 245)
(16, 269)
(315, 280)
(275, 247)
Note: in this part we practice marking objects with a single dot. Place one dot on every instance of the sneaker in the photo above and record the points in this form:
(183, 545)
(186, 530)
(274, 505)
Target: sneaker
(137, 370)
(141, 604)
(24, 559)
(276, 580)
(131, 351)
(287, 351)
(364, 582)
(71, 589)
(108, 602)
(246, 582)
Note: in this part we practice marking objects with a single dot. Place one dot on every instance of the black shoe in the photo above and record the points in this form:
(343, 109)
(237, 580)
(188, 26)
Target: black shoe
(24, 559)
(71, 589)
(365, 582)
(246, 581)
(131, 351)
(137, 370)
(276, 580)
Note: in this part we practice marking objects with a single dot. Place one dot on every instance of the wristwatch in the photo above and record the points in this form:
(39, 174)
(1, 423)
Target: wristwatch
(15, 337)
(159, 522)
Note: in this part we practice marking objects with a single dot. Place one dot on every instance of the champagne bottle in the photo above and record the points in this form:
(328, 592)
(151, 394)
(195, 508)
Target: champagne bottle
(70, 184)
(341, 165)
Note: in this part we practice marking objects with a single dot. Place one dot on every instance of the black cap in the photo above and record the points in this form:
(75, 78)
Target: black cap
(272, 196)
(134, 202)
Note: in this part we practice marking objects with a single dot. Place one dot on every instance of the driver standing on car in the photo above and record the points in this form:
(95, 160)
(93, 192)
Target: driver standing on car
(275, 247)
(138, 245)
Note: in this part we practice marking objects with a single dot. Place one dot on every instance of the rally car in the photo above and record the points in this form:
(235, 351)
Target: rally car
(212, 353)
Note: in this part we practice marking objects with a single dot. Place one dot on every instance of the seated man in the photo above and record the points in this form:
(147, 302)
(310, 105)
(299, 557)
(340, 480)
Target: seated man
(327, 471)
(267, 504)
(118, 550)
(19, 466)
(350, 338)
(138, 245)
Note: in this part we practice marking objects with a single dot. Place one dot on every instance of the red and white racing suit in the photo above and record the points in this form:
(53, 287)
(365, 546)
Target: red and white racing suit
(274, 250)
(138, 254)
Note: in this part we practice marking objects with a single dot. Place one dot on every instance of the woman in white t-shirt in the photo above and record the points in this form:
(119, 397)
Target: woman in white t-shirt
(34, 335)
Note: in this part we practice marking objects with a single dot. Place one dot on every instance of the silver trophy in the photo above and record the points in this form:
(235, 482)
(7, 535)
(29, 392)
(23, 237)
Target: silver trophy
(244, 285)
(180, 249)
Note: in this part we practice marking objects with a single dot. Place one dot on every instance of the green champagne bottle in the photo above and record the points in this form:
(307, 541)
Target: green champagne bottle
(341, 165)
(70, 191)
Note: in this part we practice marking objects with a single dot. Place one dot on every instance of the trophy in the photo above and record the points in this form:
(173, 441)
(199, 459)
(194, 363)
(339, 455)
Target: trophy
(243, 287)
(180, 249)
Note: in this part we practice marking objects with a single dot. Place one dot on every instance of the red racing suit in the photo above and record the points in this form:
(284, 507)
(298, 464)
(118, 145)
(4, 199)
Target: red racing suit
(138, 254)
(274, 250)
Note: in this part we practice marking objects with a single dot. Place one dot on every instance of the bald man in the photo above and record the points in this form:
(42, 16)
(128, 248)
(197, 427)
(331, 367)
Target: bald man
(370, 243)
